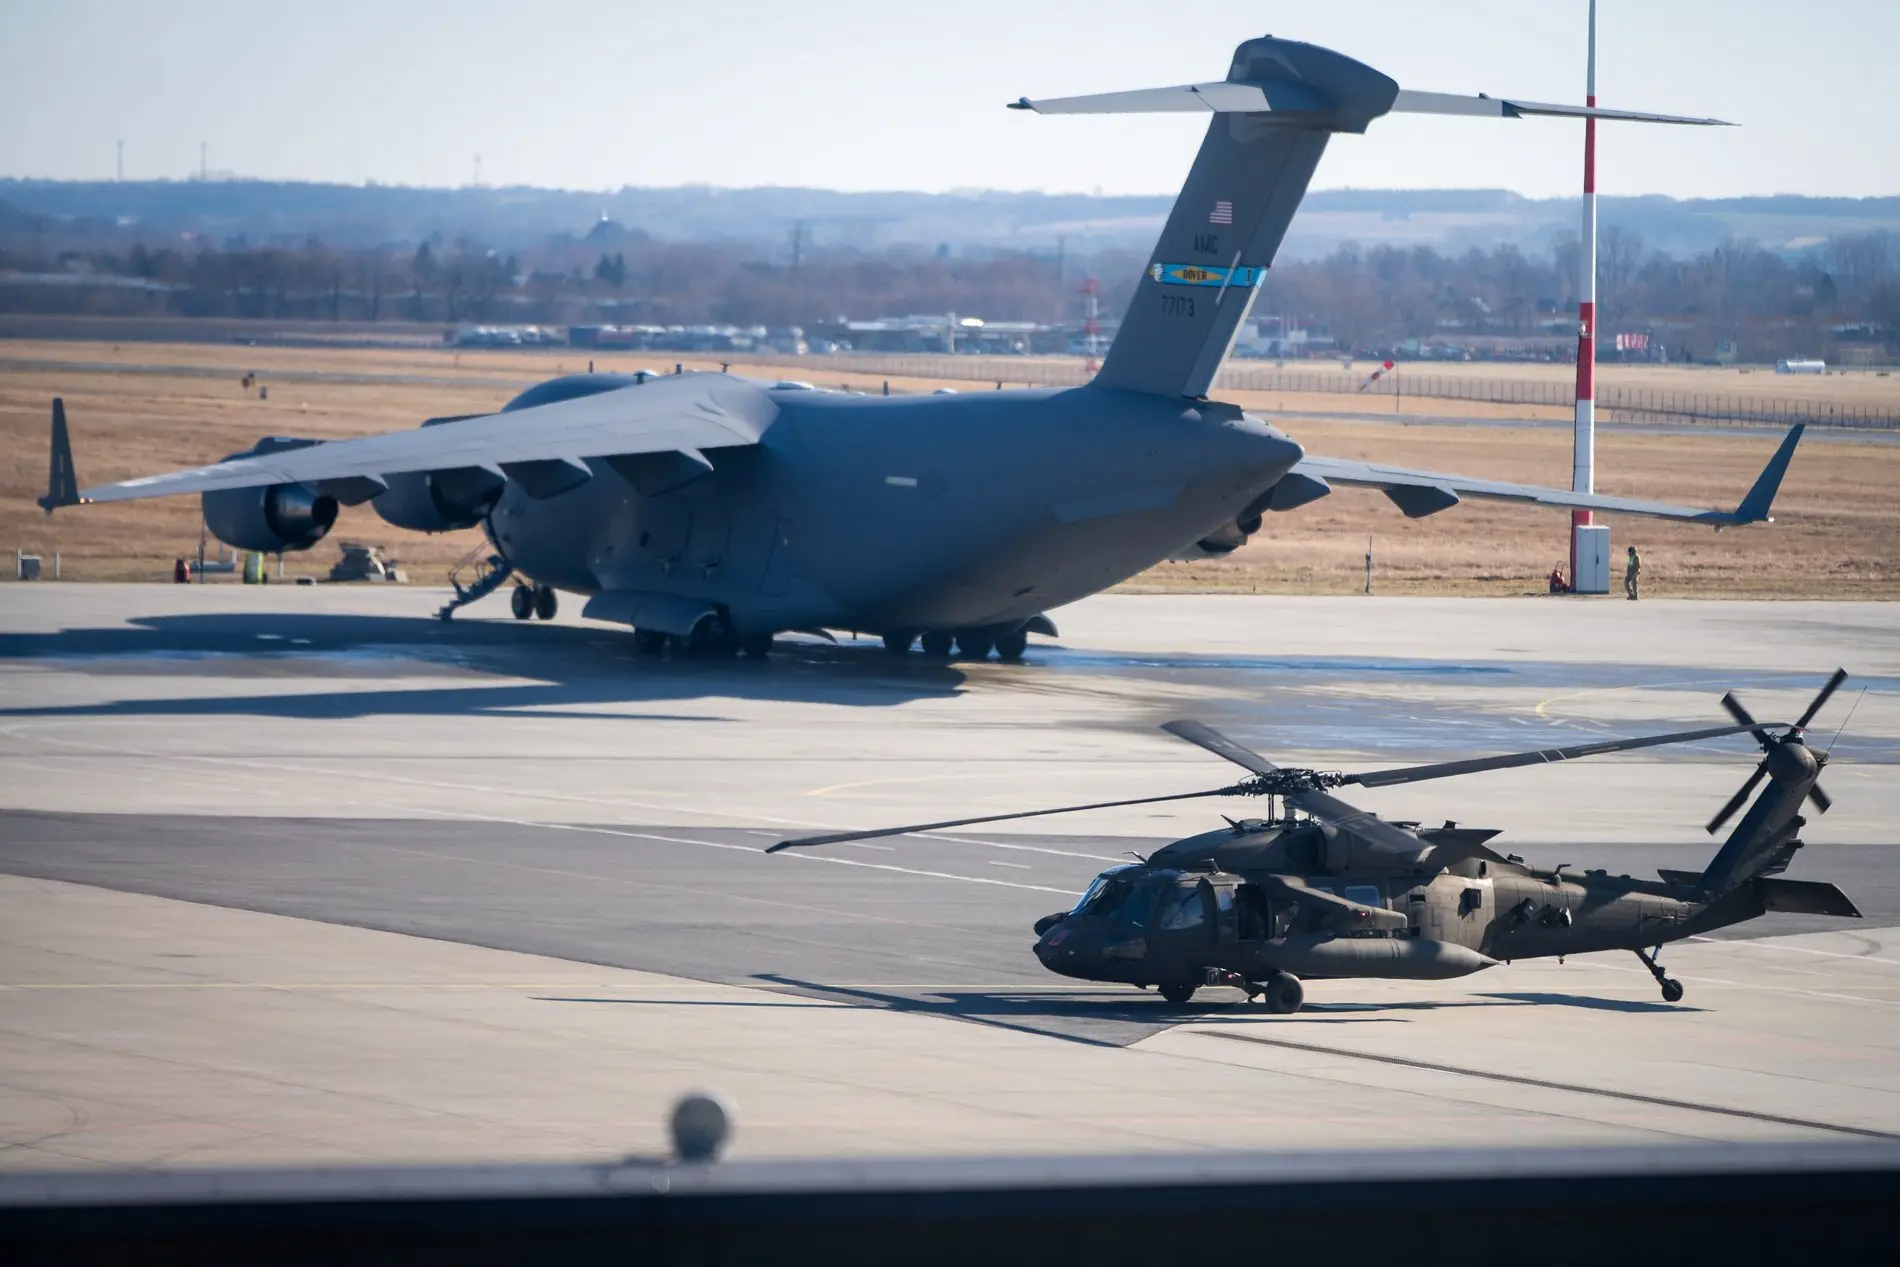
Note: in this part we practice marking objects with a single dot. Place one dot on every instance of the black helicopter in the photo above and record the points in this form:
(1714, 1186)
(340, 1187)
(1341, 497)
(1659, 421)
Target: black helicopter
(1320, 889)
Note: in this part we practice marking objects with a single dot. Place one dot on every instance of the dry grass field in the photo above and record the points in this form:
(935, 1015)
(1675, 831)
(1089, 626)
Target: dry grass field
(139, 408)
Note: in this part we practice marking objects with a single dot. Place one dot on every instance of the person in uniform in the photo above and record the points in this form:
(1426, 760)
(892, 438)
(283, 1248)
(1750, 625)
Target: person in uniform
(1631, 571)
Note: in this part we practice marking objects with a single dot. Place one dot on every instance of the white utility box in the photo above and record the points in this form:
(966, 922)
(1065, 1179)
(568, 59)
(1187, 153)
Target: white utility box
(1593, 559)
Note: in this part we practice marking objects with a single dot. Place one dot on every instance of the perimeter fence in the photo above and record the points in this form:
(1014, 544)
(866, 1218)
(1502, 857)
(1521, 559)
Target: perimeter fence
(1614, 403)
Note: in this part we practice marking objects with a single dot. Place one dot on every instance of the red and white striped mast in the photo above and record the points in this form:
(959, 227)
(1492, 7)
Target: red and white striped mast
(1584, 440)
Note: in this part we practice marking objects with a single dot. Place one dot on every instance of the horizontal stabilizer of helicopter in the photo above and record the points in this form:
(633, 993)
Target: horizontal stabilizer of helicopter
(1803, 897)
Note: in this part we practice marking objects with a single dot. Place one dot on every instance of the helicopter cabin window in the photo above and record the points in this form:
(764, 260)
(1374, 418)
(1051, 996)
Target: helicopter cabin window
(1181, 908)
(1364, 894)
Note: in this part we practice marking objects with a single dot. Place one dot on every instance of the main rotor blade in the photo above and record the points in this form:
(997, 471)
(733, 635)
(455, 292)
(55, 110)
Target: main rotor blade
(1740, 714)
(1220, 745)
(1446, 769)
(1833, 685)
(1735, 802)
(838, 838)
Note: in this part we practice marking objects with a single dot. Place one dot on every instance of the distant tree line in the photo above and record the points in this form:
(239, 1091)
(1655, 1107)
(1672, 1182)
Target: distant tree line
(1767, 304)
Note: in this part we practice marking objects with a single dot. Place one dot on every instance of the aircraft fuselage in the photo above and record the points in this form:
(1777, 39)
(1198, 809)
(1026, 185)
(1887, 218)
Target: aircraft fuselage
(909, 513)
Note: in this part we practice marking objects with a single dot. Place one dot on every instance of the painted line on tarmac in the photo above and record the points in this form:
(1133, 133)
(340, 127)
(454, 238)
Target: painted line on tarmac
(1633, 1097)
(751, 849)
(18, 730)
(1765, 943)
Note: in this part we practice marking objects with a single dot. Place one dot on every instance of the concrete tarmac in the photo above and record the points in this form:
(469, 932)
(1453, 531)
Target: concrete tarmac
(217, 803)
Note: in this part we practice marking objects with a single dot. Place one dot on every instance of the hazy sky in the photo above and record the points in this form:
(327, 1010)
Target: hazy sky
(891, 94)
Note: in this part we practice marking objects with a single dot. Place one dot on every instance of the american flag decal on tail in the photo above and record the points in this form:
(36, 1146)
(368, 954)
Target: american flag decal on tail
(1223, 213)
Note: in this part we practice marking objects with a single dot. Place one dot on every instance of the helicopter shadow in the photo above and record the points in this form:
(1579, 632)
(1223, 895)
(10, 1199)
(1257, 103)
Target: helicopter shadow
(1097, 1020)
(1335, 1013)
(559, 671)
(1593, 1003)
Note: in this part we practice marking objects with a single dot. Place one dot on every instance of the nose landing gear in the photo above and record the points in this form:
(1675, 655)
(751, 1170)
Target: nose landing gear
(1671, 988)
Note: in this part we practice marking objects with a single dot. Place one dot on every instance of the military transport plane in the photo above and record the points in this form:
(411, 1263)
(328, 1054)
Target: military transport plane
(714, 511)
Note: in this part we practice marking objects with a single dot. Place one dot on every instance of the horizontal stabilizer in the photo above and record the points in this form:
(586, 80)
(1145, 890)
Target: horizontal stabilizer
(1803, 897)
(1426, 492)
(1282, 97)
(1482, 106)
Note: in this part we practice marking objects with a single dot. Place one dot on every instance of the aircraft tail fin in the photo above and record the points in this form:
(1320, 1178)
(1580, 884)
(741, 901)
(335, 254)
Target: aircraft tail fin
(1273, 114)
(62, 480)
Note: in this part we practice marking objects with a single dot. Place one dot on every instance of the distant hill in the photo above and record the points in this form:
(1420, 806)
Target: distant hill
(507, 218)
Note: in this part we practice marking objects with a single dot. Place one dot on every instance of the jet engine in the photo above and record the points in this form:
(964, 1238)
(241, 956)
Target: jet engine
(440, 501)
(272, 519)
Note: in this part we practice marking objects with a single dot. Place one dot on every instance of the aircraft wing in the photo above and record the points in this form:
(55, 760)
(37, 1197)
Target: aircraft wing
(1420, 493)
(673, 414)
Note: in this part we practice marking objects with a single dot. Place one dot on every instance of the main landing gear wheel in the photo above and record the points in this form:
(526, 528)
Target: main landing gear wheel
(521, 602)
(974, 644)
(755, 646)
(712, 638)
(1671, 988)
(937, 643)
(649, 641)
(1010, 646)
(1284, 993)
(1177, 993)
(545, 603)
(898, 644)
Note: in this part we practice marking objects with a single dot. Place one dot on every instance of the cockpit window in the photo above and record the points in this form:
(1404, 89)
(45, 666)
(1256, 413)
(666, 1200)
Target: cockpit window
(1136, 901)
(1091, 902)
(1181, 907)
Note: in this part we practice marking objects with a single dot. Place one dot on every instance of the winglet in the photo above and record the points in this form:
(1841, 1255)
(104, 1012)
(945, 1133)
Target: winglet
(62, 481)
(1754, 507)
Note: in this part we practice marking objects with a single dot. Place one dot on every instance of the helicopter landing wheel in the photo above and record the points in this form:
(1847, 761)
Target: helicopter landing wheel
(1010, 646)
(1671, 988)
(1284, 993)
(898, 643)
(521, 602)
(545, 603)
(649, 641)
(1177, 993)
(936, 643)
(755, 646)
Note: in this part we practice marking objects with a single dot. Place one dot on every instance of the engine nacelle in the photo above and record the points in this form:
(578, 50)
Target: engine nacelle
(439, 501)
(1222, 541)
(273, 519)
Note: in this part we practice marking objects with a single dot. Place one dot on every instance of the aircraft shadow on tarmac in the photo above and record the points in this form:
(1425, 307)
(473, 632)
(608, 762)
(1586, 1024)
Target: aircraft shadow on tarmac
(569, 667)
(1116, 1020)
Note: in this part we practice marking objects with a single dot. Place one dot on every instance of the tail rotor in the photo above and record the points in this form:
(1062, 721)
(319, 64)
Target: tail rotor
(1770, 746)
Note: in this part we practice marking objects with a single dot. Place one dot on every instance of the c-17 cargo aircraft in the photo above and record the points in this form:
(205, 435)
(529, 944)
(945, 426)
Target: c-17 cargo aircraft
(712, 511)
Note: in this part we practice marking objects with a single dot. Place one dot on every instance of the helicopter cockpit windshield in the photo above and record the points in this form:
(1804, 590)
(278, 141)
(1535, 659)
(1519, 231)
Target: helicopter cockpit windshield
(1126, 894)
